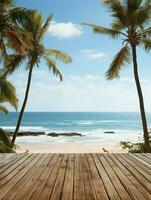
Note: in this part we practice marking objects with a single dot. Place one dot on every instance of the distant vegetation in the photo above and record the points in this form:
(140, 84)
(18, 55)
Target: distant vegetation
(134, 147)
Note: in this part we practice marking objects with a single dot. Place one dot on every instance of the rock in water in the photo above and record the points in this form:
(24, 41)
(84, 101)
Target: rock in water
(28, 133)
(109, 132)
(53, 134)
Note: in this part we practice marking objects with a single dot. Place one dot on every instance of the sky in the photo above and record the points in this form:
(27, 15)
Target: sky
(85, 87)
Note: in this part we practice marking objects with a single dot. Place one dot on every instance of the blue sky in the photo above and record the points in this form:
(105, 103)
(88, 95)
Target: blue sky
(84, 87)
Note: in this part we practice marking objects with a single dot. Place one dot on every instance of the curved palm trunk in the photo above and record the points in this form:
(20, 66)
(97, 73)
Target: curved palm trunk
(23, 106)
(147, 148)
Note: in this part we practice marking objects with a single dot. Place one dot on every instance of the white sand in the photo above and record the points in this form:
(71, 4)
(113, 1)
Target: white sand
(70, 147)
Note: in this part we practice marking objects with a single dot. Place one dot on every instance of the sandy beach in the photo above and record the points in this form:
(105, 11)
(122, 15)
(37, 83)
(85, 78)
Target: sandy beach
(70, 147)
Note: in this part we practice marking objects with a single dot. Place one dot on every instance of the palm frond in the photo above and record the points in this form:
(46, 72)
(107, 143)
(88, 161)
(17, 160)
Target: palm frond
(37, 22)
(6, 3)
(143, 16)
(15, 41)
(19, 15)
(45, 26)
(14, 62)
(120, 60)
(8, 92)
(102, 30)
(118, 10)
(64, 57)
(117, 25)
(52, 66)
(147, 31)
(3, 109)
(138, 12)
(33, 25)
(146, 42)
(3, 49)
(134, 4)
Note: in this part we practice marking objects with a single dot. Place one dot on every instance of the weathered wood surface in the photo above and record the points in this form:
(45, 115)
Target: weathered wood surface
(75, 176)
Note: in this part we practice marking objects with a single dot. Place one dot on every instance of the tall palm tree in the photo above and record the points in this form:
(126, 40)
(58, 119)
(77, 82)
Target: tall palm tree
(7, 94)
(130, 23)
(33, 33)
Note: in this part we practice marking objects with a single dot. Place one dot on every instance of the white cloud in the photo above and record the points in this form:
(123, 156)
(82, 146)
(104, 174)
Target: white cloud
(93, 54)
(86, 96)
(87, 77)
(80, 93)
(132, 80)
(64, 30)
(93, 78)
(96, 55)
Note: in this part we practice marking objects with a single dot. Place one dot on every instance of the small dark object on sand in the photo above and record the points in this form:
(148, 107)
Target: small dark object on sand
(106, 151)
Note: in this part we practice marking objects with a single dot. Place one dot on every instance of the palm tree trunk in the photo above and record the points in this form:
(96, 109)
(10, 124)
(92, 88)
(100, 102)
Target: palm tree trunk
(23, 106)
(147, 148)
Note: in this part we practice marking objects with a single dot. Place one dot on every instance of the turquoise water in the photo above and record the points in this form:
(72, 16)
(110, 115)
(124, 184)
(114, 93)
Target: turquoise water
(92, 125)
(75, 121)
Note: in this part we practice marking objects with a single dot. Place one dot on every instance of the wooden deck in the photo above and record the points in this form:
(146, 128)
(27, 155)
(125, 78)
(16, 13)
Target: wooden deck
(75, 176)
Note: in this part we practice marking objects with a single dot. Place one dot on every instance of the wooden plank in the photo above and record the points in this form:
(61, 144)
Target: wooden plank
(14, 169)
(141, 163)
(48, 187)
(97, 181)
(67, 191)
(57, 190)
(136, 166)
(10, 162)
(134, 172)
(75, 176)
(3, 154)
(79, 193)
(148, 155)
(5, 157)
(112, 193)
(114, 179)
(127, 184)
(144, 158)
(15, 179)
(32, 181)
(88, 184)
(130, 176)
(33, 195)
(20, 184)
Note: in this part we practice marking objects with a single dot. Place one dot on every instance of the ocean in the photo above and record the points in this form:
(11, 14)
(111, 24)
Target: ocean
(126, 126)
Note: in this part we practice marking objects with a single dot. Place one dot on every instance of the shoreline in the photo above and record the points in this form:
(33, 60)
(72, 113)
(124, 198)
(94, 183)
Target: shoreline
(70, 142)
(70, 147)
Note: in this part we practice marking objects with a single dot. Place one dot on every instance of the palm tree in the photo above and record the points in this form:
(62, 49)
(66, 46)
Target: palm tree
(33, 31)
(7, 94)
(131, 18)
